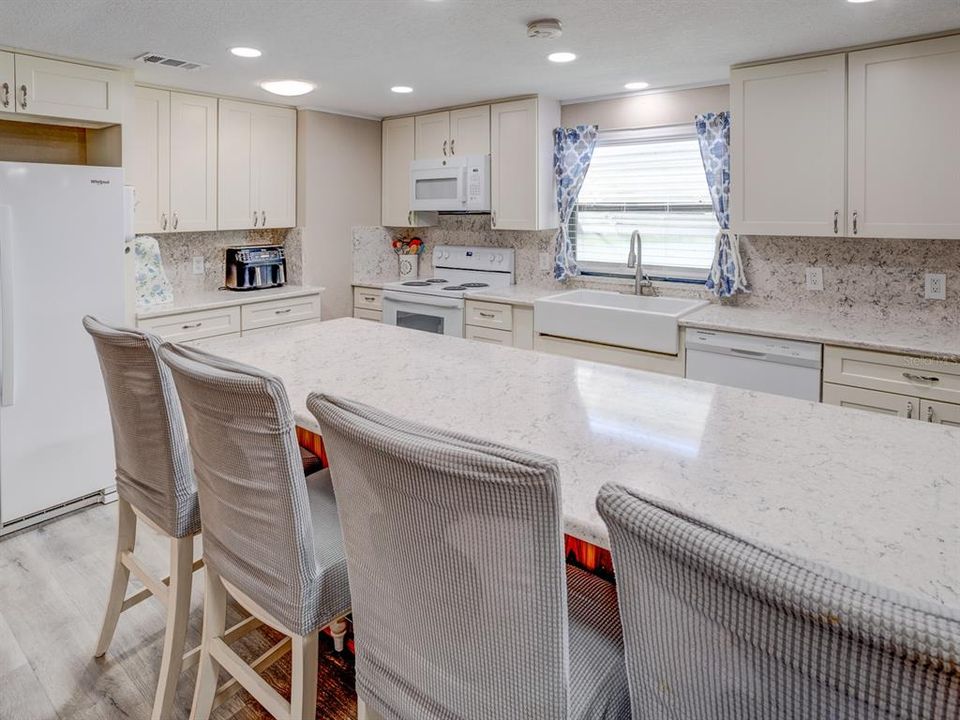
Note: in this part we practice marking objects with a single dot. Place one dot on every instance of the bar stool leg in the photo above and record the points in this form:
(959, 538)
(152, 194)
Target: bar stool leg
(303, 688)
(126, 539)
(338, 631)
(214, 625)
(178, 615)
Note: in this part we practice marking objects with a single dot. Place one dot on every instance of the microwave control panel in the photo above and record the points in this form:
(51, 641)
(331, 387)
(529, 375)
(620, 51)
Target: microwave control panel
(474, 185)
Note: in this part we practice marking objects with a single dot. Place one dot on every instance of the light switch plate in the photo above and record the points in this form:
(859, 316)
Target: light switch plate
(935, 286)
(546, 261)
(198, 265)
(814, 279)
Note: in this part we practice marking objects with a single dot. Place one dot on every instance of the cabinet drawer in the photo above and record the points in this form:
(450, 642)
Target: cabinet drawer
(487, 335)
(194, 325)
(491, 315)
(902, 374)
(940, 413)
(871, 401)
(279, 312)
(367, 298)
(364, 314)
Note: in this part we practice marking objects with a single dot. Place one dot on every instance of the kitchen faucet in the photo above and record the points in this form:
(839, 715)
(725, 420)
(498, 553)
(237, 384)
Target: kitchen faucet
(635, 260)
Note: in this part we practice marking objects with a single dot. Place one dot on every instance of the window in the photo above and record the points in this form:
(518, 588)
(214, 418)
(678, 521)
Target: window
(651, 181)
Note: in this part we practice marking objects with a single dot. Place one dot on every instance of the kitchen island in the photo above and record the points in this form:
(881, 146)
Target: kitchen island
(869, 495)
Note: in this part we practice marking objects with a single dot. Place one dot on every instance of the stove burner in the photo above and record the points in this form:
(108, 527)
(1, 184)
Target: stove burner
(456, 287)
(437, 281)
(416, 283)
(474, 285)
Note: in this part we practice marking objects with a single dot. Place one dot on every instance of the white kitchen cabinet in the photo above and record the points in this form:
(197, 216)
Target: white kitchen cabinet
(874, 401)
(788, 139)
(193, 162)
(521, 164)
(499, 323)
(150, 164)
(286, 311)
(8, 83)
(194, 325)
(470, 131)
(257, 166)
(398, 150)
(54, 88)
(432, 136)
(940, 413)
(904, 148)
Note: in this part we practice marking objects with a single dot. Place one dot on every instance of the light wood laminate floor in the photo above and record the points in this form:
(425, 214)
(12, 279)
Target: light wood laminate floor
(53, 588)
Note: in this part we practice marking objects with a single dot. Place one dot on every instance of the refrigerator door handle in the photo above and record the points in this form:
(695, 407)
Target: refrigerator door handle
(6, 308)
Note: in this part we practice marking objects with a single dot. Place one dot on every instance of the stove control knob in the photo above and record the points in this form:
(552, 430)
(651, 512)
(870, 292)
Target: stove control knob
(492, 257)
(499, 258)
(446, 255)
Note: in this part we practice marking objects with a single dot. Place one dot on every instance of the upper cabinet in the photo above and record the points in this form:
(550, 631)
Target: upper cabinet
(788, 139)
(521, 164)
(257, 168)
(174, 167)
(457, 132)
(861, 144)
(904, 147)
(8, 83)
(432, 137)
(53, 88)
(398, 148)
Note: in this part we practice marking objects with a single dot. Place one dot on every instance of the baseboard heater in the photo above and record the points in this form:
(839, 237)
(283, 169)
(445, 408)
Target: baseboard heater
(104, 496)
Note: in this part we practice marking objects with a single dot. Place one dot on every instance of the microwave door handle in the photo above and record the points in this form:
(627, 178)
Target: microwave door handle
(6, 308)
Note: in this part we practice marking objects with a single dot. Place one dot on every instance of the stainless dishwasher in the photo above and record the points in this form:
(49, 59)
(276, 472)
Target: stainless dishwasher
(752, 362)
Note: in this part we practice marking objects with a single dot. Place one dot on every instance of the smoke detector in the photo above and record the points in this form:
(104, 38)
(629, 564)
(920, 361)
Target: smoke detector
(153, 58)
(545, 29)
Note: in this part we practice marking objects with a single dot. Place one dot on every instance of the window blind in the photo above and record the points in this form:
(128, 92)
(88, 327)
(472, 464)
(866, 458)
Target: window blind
(651, 181)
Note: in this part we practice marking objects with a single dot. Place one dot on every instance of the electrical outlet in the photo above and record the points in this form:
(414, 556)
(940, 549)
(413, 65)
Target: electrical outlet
(546, 261)
(198, 265)
(814, 279)
(935, 286)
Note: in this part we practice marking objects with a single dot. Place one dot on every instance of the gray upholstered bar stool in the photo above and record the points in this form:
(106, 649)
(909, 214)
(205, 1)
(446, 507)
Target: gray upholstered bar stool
(720, 628)
(154, 484)
(463, 605)
(271, 537)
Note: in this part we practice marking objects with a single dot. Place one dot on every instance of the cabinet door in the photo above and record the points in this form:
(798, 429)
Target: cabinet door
(150, 164)
(67, 90)
(193, 162)
(432, 135)
(871, 401)
(788, 148)
(235, 177)
(904, 144)
(7, 83)
(470, 131)
(275, 166)
(513, 165)
(940, 413)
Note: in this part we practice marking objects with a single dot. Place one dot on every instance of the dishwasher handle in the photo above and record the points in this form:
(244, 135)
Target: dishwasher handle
(749, 353)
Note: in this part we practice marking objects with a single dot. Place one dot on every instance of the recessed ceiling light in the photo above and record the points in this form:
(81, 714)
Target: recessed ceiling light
(561, 57)
(402, 89)
(288, 88)
(246, 52)
(637, 85)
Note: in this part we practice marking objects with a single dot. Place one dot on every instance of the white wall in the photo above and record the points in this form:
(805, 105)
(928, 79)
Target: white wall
(649, 110)
(338, 187)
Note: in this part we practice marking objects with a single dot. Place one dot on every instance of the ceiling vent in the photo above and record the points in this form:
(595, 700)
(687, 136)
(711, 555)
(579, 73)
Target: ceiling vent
(152, 58)
(545, 29)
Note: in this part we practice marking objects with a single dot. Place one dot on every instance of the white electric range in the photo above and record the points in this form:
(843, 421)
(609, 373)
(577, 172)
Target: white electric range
(436, 304)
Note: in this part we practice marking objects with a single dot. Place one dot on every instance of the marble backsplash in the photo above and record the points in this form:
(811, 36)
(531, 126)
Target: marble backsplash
(178, 250)
(875, 277)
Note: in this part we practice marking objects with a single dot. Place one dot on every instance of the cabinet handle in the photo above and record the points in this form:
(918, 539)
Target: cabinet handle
(909, 411)
(23, 97)
(368, 298)
(263, 218)
(854, 222)
(6, 94)
(191, 326)
(410, 217)
(282, 312)
(836, 222)
(930, 413)
(256, 218)
(451, 146)
(163, 221)
(444, 148)
(486, 315)
(493, 219)
(176, 221)
(921, 378)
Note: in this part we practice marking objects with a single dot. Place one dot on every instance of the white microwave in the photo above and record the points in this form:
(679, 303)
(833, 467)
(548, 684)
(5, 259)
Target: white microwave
(451, 184)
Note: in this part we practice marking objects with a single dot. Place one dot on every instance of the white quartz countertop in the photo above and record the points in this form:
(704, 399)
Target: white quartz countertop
(523, 295)
(208, 299)
(909, 334)
(875, 496)
(371, 283)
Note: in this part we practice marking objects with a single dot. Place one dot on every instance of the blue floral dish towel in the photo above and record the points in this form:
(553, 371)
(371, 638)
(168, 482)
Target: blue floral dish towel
(151, 284)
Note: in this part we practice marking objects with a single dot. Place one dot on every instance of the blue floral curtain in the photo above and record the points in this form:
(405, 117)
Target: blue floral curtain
(726, 277)
(572, 151)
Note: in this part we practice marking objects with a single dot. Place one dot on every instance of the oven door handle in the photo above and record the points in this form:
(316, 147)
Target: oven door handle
(422, 300)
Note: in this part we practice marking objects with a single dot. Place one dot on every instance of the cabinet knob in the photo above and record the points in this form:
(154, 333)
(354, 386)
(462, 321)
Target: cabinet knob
(23, 97)
(176, 221)
(855, 220)
(6, 94)
(163, 221)
(836, 222)
(909, 411)
(493, 219)
(930, 414)
(452, 152)
(263, 218)
(444, 148)
(256, 218)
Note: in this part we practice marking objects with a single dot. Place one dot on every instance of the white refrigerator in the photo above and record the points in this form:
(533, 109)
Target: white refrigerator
(61, 257)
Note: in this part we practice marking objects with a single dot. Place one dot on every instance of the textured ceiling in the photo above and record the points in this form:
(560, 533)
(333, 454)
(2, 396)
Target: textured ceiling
(453, 51)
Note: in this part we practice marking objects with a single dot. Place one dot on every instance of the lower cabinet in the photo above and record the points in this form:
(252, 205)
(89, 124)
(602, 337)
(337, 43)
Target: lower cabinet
(873, 401)
(940, 413)
(368, 303)
(499, 324)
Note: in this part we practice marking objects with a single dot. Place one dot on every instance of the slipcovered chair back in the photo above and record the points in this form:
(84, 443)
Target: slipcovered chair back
(258, 533)
(154, 472)
(720, 628)
(455, 558)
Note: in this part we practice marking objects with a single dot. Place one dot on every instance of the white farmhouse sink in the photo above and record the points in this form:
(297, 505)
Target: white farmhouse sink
(631, 321)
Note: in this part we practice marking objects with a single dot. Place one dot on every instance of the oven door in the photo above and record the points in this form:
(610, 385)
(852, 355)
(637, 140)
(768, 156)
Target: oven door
(438, 187)
(443, 316)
